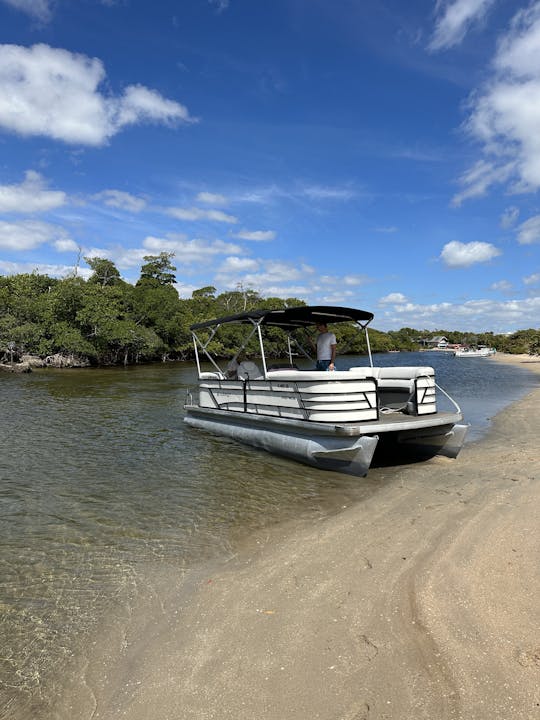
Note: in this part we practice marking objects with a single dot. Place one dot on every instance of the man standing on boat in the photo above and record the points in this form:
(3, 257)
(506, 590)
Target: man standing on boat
(326, 348)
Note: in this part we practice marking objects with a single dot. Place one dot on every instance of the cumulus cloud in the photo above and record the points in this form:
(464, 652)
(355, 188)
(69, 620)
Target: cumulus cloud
(270, 277)
(529, 231)
(236, 264)
(37, 9)
(472, 316)
(55, 93)
(454, 20)
(505, 113)
(30, 196)
(194, 213)
(65, 244)
(393, 299)
(211, 198)
(190, 251)
(56, 271)
(533, 279)
(501, 286)
(456, 254)
(29, 234)
(121, 200)
(255, 235)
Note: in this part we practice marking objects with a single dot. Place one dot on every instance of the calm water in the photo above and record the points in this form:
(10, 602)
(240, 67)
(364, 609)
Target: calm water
(101, 482)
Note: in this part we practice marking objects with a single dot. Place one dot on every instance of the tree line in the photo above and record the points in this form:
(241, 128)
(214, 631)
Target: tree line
(108, 321)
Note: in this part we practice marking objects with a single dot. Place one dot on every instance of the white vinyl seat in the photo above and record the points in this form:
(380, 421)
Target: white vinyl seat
(248, 370)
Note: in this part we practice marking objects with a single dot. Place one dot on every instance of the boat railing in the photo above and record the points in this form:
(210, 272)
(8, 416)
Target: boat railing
(354, 395)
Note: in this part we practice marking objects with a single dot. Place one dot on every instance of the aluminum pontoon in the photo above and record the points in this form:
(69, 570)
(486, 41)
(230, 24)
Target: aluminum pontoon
(333, 420)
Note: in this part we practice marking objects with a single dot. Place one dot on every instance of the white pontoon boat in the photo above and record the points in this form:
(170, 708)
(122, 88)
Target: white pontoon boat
(481, 351)
(332, 420)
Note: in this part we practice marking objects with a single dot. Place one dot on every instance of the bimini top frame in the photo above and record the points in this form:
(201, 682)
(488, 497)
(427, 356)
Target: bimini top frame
(287, 319)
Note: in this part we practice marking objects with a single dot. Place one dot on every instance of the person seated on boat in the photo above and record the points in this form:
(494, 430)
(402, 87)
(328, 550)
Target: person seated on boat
(326, 348)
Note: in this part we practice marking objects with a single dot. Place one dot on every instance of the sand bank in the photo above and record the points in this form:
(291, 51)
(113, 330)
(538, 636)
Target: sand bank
(419, 602)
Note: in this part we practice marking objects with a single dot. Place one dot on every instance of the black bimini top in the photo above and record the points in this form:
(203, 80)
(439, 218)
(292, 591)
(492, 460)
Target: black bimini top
(293, 317)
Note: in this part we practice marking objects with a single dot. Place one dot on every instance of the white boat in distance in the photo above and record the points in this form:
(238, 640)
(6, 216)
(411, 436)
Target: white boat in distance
(330, 419)
(481, 351)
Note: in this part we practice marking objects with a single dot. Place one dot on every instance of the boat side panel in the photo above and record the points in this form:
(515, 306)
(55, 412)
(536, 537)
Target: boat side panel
(354, 401)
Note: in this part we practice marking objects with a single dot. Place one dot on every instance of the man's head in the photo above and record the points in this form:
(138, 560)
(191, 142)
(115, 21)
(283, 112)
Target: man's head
(322, 327)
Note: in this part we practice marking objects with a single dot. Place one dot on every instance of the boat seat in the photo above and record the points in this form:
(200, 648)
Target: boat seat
(332, 375)
(248, 370)
(365, 372)
(211, 376)
(403, 377)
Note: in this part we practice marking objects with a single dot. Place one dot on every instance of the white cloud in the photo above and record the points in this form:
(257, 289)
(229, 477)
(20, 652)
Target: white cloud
(533, 279)
(300, 191)
(319, 192)
(220, 5)
(211, 198)
(395, 298)
(189, 251)
(509, 217)
(31, 196)
(56, 271)
(478, 179)
(354, 279)
(456, 254)
(54, 93)
(185, 290)
(454, 19)
(472, 316)
(235, 264)
(37, 9)
(505, 113)
(255, 235)
(65, 244)
(199, 214)
(529, 231)
(121, 200)
(29, 234)
(501, 286)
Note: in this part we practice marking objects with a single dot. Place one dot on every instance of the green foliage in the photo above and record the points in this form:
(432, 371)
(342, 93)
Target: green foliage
(110, 321)
(104, 271)
(158, 270)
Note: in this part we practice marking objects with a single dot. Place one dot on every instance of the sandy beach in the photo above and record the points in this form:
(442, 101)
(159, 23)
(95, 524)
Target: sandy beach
(422, 601)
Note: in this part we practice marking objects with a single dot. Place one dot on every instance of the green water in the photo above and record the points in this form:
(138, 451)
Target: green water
(102, 485)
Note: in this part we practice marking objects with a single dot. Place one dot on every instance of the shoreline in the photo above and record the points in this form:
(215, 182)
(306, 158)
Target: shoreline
(419, 601)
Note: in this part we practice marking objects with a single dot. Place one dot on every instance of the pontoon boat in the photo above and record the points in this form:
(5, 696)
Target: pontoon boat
(332, 420)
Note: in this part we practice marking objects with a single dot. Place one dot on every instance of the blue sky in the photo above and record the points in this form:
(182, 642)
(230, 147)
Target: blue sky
(379, 154)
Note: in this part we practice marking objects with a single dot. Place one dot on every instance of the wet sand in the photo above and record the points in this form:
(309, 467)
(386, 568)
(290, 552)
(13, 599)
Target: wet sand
(422, 601)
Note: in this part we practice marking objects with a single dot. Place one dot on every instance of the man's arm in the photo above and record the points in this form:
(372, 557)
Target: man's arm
(333, 355)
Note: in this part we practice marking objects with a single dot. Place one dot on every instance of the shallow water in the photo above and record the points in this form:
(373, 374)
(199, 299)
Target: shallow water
(101, 482)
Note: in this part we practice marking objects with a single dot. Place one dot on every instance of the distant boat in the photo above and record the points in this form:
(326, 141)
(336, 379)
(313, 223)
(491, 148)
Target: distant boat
(481, 351)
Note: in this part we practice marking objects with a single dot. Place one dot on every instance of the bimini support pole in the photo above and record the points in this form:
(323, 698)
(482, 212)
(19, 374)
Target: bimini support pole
(368, 347)
(261, 344)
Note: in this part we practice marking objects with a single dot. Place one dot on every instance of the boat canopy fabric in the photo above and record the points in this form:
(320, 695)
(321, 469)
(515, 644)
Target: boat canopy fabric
(293, 317)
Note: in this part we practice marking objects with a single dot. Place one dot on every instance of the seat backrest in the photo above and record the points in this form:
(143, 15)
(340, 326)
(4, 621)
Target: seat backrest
(248, 369)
